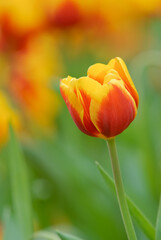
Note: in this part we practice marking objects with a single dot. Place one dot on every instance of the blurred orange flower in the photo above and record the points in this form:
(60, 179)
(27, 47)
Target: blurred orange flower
(104, 103)
(31, 60)
(32, 77)
(66, 14)
(21, 17)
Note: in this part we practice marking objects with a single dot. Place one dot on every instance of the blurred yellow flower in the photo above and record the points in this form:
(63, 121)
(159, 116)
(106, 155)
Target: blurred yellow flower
(147, 6)
(39, 59)
(31, 59)
(18, 17)
(38, 102)
(33, 71)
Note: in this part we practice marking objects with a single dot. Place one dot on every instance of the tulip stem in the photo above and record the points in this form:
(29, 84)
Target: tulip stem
(120, 191)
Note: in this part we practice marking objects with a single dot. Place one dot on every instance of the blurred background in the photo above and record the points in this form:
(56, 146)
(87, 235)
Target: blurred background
(44, 41)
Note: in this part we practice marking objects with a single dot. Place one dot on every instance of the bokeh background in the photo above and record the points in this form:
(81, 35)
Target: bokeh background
(42, 41)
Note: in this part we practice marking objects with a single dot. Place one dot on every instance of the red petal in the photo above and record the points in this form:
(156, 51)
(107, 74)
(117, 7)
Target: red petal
(74, 113)
(86, 100)
(116, 112)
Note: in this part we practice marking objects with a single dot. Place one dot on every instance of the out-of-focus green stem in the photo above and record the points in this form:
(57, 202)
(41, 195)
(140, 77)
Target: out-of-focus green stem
(120, 191)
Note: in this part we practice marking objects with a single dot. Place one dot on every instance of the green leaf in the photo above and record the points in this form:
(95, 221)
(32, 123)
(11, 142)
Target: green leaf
(158, 223)
(46, 235)
(139, 217)
(10, 228)
(20, 192)
(76, 170)
(64, 236)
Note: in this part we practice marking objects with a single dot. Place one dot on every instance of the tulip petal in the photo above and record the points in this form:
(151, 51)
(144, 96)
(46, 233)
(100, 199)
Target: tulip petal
(119, 65)
(111, 75)
(72, 102)
(115, 112)
(78, 103)
(92, 88)
(87, 88)
(86, 100)
(98, 72)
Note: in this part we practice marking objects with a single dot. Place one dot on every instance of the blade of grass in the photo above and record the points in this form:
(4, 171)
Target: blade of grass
(158, 223)
(64, 236)
(20, 192)
(139, 217)
(10, 228)
(45, 235)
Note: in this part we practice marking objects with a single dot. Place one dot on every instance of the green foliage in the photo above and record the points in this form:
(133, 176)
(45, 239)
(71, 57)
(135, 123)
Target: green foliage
(11, 228)
(64, 236)
(142, 221)
(20, 190)
(46, 235)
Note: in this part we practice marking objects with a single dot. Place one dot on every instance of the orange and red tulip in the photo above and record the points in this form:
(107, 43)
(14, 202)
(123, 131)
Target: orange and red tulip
(103, 103)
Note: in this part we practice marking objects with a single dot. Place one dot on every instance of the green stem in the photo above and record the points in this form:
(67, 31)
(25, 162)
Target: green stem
(120, 191)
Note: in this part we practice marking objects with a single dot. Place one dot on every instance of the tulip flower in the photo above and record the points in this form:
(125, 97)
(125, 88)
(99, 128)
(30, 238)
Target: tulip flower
(19, 18)
(30, 81)
(104, 103)
(67, 14)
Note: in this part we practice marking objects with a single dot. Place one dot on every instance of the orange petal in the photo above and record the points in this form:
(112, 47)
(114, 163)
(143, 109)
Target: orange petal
(119, 65)
(86, 100)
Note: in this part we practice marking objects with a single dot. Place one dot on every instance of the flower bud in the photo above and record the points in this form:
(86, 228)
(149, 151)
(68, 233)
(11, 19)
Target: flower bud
(103, 103)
